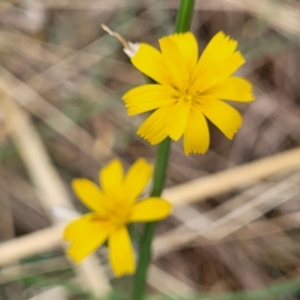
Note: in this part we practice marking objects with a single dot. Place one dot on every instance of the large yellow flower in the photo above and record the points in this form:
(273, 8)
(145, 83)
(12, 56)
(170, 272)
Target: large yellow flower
(188, 89)
(113, 206)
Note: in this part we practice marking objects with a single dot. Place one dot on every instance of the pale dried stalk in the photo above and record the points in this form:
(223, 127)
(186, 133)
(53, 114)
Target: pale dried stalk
(25, 95)
(53, 195)
(51, 192)
(217, 228)
(57, 293)
(189, 192)
(30, 244)
(235, 178)
(166, 283)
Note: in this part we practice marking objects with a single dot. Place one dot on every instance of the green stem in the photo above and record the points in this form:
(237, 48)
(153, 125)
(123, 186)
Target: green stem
(159, 176)
(161, 163)
(184, 16)
(183, 22)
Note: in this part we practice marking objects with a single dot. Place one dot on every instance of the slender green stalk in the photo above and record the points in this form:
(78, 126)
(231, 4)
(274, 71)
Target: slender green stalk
(183, 23)
(184, 16)
(159, 176)
(161, 163)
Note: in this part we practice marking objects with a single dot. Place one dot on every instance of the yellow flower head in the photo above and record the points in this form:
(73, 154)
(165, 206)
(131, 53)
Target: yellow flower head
(188, 90)
(113, 207)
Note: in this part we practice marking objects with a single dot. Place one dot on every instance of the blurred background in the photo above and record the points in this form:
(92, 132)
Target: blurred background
(61, 116)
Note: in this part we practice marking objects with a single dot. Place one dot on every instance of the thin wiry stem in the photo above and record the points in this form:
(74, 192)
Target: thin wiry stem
(183, 22)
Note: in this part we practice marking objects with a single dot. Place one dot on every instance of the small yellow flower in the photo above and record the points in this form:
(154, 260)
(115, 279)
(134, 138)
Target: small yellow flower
(188, 90)
(113, 206)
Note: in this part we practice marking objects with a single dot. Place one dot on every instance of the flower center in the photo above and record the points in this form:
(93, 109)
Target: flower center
(118, 214)
(188, 98)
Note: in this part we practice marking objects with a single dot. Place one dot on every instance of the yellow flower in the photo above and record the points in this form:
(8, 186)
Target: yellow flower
(189, 90)
(113, 206)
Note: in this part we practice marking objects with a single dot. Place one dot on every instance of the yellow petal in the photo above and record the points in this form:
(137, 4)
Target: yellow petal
(174, 62)
(121, 255)
(196, 135)
(80, 250)
(150, 62)
(150, 209)
(231, 88)
(147, 97)
(90, 194)
(154, 128)
(111, 178)
(136, 179)
(188, 46)
(224, 116)
(218, 61)
(85, 237)
(78, 228)
(178, 119)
